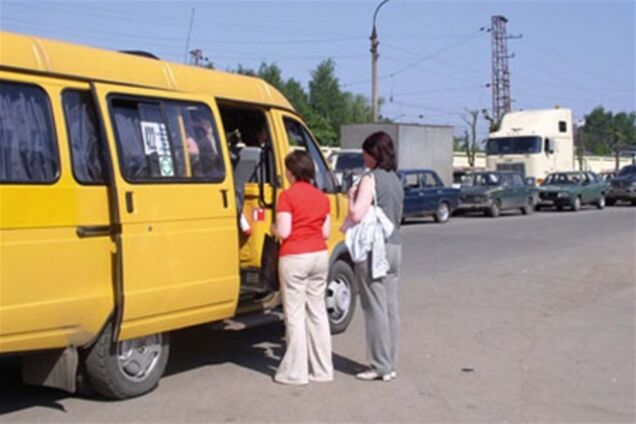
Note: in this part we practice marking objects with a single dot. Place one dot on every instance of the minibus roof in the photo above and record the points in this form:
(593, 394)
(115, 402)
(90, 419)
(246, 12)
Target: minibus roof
(75, 61)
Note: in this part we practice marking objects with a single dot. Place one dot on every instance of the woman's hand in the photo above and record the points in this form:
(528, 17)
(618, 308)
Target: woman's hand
(274, 230)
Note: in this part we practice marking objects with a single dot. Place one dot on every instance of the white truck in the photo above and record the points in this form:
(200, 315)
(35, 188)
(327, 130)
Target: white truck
(532, 142)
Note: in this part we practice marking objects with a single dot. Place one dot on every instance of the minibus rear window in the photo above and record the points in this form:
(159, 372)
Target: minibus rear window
(28, 150)
(166, 141)
(87, 146)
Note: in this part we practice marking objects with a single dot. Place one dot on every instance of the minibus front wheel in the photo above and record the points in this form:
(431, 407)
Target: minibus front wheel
(340, 296)
(127, 368)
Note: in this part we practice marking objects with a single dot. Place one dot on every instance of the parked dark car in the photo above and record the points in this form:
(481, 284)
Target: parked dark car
(493, 192)
(623, 186)
(572, 189)
(426, 195)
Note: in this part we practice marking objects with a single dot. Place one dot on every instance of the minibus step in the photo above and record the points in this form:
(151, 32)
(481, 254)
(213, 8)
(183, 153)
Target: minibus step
(255, 319)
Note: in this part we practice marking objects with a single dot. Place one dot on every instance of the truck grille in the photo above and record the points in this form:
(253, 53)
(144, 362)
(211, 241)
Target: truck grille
(517, 167)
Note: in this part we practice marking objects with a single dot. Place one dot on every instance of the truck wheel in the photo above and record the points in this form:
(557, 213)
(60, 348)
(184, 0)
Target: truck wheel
(528, 208)
(495, 209)
(127, 368)
(601, 202)
(576, 204)
(340, 296)
(443, 213)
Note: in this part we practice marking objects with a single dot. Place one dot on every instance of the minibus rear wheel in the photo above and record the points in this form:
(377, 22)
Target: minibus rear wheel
(127, 368)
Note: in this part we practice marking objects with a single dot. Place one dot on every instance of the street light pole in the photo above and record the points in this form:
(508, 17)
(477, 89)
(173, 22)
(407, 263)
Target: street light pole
(374, 64)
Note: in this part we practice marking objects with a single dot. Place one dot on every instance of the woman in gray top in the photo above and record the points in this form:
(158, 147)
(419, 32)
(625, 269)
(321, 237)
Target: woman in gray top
(379, 297)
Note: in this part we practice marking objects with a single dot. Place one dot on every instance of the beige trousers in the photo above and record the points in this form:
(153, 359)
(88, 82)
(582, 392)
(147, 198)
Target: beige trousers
(303, 279)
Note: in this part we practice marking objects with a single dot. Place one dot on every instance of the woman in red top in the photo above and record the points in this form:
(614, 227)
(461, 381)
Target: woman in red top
(302, 222)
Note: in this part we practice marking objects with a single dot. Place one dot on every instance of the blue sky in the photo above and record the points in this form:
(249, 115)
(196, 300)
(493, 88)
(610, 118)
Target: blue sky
(434, 59)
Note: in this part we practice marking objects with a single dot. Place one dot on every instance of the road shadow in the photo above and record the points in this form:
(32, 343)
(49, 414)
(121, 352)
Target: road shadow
(259, 349)
(479, 214)
(418, 221)
(15, 396)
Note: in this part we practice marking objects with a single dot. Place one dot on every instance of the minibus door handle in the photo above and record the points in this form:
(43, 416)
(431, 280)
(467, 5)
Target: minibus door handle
(130, 206)
(85, 231)
(224, 195)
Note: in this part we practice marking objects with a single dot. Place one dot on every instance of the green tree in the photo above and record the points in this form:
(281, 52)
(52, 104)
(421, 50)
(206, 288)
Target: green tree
(606, 133)
(272, 74)
(325, 106)
(326, 98)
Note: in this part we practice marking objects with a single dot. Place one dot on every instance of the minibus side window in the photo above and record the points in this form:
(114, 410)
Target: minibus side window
(166, 141)
(299, 138)
(28, 149)
(87, 146)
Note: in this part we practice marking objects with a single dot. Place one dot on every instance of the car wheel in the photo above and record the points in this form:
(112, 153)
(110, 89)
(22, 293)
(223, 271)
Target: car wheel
(601, 202)
(495, 209)
(128, 368)
(443, 213)
(340, 296)
(633, 202)
(610, 202)
(576, 204)
(528, 208)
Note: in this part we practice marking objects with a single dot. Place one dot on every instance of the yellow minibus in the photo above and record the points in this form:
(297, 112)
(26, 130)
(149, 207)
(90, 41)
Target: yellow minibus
(136, 198)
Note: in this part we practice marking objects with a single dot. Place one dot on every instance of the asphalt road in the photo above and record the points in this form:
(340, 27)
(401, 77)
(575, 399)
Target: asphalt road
(515, 319)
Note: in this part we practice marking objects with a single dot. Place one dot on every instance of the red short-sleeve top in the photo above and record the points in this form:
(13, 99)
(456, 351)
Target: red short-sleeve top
(308, 207)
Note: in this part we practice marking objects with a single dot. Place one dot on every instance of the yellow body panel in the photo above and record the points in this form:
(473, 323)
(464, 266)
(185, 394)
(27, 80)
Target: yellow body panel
(55, 288)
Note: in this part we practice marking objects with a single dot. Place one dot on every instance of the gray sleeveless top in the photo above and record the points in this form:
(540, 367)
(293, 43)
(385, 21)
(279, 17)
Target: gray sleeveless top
(390, 195)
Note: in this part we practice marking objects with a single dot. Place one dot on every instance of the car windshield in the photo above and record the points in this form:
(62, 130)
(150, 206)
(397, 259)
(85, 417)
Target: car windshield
(513, 145)
(347, 161)
(627, 170)
(485, 179)
(563, 179)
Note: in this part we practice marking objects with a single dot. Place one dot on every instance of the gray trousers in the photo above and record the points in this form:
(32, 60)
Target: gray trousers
(380, 305)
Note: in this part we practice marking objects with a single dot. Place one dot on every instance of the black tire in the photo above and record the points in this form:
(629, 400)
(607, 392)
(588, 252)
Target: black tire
(576, 204)
(633, 202)
(495, 209)
(610, 202)
(112, 376)
(528, 208)
(443, 213)
(600, 203)
(537, 208)
(340, 296)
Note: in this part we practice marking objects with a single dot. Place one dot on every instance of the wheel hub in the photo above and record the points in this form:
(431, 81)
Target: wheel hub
(138, 357)
(338, 299)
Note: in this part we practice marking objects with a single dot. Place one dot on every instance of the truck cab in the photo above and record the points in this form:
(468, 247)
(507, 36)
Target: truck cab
(533, 143)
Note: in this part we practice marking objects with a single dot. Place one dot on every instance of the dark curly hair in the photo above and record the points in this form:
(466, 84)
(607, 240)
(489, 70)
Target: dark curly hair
(380, 146)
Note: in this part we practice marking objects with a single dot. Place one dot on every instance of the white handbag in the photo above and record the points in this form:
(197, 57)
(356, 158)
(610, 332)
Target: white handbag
(370, 235)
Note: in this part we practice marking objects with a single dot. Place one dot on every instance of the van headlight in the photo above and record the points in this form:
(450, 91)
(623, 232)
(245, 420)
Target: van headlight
(563, 194)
